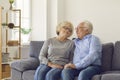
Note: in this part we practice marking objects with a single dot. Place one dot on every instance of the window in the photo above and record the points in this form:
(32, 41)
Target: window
(25, 6)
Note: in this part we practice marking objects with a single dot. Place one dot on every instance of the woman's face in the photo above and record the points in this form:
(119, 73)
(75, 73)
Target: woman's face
(65, 31)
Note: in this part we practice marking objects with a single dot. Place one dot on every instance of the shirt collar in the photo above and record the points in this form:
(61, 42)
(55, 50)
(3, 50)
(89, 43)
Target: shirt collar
(85, 37)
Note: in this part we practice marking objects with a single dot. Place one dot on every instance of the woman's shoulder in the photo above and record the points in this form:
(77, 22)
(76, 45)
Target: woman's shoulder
(70, 41)
(48, 40)
(51, 40)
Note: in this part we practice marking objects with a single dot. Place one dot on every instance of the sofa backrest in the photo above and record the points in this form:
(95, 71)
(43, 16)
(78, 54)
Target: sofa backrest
(116, 56)
(35, 47)
(107, 53)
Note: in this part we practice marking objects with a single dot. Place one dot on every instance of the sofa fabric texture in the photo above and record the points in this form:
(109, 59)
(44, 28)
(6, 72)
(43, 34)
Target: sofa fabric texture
(24, 69)
(107, 53)
(35, 47)
(116, 57)
(26, 64)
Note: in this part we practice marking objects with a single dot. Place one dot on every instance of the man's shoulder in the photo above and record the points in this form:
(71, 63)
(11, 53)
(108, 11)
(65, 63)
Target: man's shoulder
(95, 37)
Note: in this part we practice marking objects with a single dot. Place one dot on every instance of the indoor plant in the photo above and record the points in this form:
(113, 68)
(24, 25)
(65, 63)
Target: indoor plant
(25, 35)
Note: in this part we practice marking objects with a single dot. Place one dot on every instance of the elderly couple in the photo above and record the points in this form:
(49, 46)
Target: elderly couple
(66, 59)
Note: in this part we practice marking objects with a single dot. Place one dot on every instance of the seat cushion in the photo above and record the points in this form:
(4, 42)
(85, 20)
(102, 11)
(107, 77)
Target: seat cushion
(15, 74)
(108, 75)
(28, 75)
(111, 76)
(96, 77)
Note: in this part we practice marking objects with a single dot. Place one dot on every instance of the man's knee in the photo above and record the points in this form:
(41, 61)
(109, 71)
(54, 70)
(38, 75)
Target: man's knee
(85, 75)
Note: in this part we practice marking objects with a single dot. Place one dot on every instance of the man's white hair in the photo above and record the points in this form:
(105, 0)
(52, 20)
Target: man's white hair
(88, 25)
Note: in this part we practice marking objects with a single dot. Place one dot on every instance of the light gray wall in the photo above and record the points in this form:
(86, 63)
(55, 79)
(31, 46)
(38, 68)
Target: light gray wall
(39, 20)
(104, 14)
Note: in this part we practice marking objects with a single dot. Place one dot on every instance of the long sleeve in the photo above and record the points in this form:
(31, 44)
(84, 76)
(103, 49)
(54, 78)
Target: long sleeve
(93, 56)
(72, 53)
(44, 52)
(56, 52)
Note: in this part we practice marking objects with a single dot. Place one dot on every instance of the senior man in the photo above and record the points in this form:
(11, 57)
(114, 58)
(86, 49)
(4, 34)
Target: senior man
(87, 54)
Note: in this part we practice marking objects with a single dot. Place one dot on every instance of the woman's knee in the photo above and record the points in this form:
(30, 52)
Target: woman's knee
(53, 74)
(41, 72)
(49, 76)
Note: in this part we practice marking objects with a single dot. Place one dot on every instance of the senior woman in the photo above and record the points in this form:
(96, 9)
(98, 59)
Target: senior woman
(55, 53)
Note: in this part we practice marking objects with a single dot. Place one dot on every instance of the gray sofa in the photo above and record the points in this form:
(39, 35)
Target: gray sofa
(24, 69)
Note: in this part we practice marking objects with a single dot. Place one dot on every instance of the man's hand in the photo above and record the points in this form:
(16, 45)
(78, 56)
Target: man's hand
(54, 65)
(70, 65)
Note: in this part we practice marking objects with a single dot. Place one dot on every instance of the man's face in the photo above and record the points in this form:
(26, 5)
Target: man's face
(81, 30)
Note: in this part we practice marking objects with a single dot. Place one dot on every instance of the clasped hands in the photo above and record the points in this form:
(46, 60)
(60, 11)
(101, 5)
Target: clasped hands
(69, 65)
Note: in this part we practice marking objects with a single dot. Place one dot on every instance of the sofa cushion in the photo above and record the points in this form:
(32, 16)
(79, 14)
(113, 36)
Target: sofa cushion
(28, 75)
(116, 57)
(25, 64)
(96, 77)
(111, 76)
(107, 53)
(110, 72)
(15, 74)
(35, 47)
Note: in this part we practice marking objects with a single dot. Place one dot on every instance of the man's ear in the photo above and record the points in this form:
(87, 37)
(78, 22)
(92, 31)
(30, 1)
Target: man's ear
(87, 30)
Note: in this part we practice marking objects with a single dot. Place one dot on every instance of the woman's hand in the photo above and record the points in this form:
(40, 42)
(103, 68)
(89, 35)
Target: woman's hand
(54, 65)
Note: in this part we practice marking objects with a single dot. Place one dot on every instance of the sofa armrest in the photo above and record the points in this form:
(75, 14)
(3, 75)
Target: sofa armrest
(25, 64)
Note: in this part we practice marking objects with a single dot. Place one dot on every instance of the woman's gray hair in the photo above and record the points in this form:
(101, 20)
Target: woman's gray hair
(62, 24)
(89, 26)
